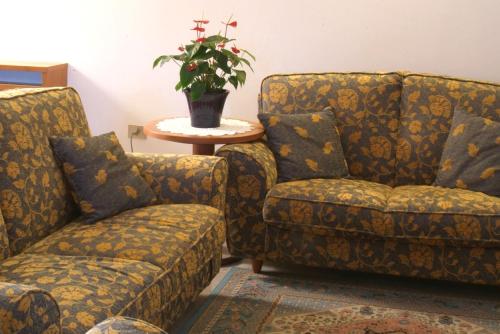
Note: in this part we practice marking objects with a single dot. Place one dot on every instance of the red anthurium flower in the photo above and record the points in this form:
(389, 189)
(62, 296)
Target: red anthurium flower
(200, 29)
(222, 45)
(201, 21)
(180, 48)
(235, 49)
(191, 67)
(233, 24)
(200, 40)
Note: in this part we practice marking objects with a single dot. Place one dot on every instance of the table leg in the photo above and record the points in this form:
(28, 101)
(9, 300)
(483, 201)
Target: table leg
(203, 149)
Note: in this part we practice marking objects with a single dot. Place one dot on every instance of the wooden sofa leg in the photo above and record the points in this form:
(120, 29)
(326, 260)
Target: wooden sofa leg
(257, 265)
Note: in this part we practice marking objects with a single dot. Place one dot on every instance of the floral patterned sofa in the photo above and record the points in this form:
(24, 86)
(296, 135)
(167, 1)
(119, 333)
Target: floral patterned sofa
(389, 218)
(59, 275)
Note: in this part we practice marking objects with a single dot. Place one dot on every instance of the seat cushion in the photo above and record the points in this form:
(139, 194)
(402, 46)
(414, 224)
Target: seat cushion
(371, 209)
(87, 290)
(159, 234)
(431, 212)
(340, 204)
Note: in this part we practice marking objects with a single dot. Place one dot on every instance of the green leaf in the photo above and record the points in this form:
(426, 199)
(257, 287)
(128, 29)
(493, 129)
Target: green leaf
(248, 53)
(193, 50)
(186, 76)
(234, 81)
(241, 76)
(203, 68)
(222, 61)
(197, 90)
(219, 82)
(161, 60)
(243, 60)
(178, 86)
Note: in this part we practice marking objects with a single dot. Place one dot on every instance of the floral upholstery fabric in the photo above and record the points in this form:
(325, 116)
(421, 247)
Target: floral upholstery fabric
(27, 310)
(34, 198)
(87, 290)
(125, 325)
(252, 173)
(366, 106)
(409, 212)
(184, 178)
(305, 146)
(471, 156)
(4, 239)
(104, 181)
(436, 260)
(427, 106)
(158, 234)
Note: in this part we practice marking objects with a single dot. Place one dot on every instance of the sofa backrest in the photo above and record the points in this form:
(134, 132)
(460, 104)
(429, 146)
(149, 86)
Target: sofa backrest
(427, 105)
(34, 198)
(366, 106)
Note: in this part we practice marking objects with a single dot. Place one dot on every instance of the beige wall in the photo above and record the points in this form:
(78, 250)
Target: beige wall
(110, 45)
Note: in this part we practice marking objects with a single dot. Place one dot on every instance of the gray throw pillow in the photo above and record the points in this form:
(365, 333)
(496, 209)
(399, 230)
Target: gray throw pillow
(471, 155)
(305, 146)
(103, 179)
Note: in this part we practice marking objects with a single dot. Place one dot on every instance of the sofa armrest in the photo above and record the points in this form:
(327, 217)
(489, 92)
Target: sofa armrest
(26, 309)
(125, 325)
(182, 179)
(252, 173)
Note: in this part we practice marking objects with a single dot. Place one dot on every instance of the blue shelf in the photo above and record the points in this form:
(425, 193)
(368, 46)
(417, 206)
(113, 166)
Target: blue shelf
(21, 77)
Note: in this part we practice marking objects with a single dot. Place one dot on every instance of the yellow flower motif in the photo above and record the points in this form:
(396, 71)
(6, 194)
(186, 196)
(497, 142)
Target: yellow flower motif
(173, 184)
(110, 156)
(488, 173)
(285, 150)
(415, 127)
(85, 319)
(273, 120)
(278, 93)
(472, 149)
(315, 118)
(23, 136)
(468, 227)
(64, 245)
(68, 168)
(301, 212)
(445, 205)
(344, 196)
(103, 246)
(188, 163)
(13, 169)
(323, 90)
(63, 119)
(301, 131)
(380, 147)
(79, 143)
(248, 186)
(328, 147)
(130, 191)
(86, 207)
(364, 79)
(101, 176)
(459, 129)
(440, 105)
(347, 99)
(404, 150)
(11, 205)
(421, 256)
(339, 249)
(355, 137)
(447, 165)
(460, 184)
(313, 165)
(70, 292)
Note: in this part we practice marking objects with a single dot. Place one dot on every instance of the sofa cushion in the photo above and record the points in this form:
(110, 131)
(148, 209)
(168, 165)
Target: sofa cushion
(427, 105)
(471, 156)
(339, 204)
(34, 198)
(87, 290)
(366, 106)
(104, 180)
(305, 146)
(371, 209)
(161, 235)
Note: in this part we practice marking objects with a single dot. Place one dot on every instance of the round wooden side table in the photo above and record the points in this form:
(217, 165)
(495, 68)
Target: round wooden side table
(205, 145)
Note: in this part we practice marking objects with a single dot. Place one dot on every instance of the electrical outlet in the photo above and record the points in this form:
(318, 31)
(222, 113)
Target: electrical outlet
(136, 131)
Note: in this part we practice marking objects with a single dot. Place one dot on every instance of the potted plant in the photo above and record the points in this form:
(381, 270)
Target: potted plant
(207, 64)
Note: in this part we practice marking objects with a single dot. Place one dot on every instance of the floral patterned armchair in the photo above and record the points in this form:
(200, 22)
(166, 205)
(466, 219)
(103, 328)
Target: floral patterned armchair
(60, 275)
(388, 218)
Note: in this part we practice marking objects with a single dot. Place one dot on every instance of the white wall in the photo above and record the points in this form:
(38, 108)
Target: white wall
(110, 46)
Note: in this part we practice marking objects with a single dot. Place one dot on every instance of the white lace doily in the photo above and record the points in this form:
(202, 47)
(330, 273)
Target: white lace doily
(182, 125)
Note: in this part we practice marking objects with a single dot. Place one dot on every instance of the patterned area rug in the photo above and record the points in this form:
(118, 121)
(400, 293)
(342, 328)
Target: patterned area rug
(243, 302)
